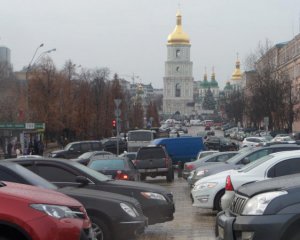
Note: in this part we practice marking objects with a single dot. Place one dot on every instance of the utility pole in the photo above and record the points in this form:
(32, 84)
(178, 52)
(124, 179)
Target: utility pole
(118, 120)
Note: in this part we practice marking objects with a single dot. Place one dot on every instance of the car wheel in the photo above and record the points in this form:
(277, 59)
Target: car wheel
(217, 201)
(101, 229)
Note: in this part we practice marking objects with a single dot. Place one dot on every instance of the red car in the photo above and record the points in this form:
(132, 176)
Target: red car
(33, 213)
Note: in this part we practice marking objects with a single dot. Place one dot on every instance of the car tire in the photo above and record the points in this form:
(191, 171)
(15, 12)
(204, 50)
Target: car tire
(217, 201)
(101, 229)
(170, 176)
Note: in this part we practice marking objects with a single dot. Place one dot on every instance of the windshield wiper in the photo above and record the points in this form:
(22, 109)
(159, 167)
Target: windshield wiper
(2, 184)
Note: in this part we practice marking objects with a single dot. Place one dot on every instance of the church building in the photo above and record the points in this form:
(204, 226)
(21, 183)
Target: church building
(178, 78)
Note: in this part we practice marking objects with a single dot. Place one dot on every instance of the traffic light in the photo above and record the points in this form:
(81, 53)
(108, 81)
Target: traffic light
(114, 124)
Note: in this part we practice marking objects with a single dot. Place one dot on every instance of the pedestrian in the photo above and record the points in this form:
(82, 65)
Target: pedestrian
(41, 147)
(9, 149)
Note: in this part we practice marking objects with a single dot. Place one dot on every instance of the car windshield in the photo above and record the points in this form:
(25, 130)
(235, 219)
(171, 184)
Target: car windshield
(31, 177)
(98, 176)
(256, 163)
(107, 164)
(239, 156)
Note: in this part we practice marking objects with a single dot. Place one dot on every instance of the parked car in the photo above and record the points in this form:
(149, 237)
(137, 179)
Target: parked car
(211, 158)
(28, 212)
(115, 167)
(156, 201)
(263, 210)
(220, 144)
(75, 149)
(181, 149)
(216, 157)
(86, 157)
(208, 191)
(254, 141)
(154, 161)
(270, 166)
(110, 145)
(111, 214)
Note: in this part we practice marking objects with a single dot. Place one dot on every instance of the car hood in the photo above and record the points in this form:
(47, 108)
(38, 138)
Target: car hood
(90, 193)
(140, 186)
(268, 185)
(38, 195)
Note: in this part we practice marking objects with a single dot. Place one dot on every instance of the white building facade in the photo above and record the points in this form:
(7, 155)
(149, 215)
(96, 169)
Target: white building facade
(178, 79)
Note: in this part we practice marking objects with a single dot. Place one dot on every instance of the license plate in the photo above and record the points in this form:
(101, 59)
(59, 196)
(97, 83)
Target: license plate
(221, 232)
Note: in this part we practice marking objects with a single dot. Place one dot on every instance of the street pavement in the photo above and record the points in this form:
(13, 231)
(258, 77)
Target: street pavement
(190, 223)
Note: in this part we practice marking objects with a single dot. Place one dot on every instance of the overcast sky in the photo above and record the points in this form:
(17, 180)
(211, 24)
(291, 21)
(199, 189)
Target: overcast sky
(129, 36)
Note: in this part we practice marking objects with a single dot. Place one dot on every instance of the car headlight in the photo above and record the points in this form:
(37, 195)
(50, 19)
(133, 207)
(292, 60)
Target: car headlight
(57, 211)
(204, 185)
(257, 204)
(131, 211)
(152, 195)
(201, 172)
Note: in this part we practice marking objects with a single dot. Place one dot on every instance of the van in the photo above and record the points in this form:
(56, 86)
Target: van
(181, 149)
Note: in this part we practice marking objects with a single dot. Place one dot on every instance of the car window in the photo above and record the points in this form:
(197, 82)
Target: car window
(222, 158)
(55, 173)
(290, 166)
(258, 154)
(96, 145)
(107, 164)
(151, 153)
(85, 147)
(75, 146)
(213, 159)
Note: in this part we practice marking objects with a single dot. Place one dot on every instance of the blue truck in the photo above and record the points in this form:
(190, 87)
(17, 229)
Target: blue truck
(181, 149)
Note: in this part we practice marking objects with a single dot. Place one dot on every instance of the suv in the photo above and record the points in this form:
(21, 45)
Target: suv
(34, 213)
(263, 210)
(154, 161)
(75, 149)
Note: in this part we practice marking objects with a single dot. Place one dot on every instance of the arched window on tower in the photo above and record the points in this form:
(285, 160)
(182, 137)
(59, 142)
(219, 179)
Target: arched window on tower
(177, 53)
(177, 90)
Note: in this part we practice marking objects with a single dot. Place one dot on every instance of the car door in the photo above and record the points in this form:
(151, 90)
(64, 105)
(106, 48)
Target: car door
(58, 174)
(286, 167)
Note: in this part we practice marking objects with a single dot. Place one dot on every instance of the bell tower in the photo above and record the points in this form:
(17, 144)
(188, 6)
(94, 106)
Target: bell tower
(178, 79)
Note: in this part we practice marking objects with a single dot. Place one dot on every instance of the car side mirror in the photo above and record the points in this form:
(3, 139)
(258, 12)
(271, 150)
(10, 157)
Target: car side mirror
(83, 180)
(71, 149)
(245, 161)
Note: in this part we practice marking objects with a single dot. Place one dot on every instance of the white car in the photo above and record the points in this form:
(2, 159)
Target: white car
(253, 142)
(208, 192)
(270, 166)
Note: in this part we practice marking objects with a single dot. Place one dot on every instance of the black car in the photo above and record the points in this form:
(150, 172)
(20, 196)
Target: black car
(263, 210)
(75, 149)
(156, 201)
(221, 144)
(115, 167)
(113, 216)
(111, 145)
(86, 157)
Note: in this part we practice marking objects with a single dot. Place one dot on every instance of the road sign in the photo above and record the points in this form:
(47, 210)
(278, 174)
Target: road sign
(118, 102)
(117, 112)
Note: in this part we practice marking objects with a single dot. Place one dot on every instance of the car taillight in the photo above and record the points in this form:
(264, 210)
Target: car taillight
(229, 186)
(166, 161)
(190, 167)
(121, 176)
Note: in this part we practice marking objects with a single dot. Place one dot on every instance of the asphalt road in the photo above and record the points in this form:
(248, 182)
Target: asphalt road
(189, 223)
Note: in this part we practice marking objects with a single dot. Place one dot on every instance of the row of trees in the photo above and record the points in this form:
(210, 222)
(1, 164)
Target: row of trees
(269, 92)
(76, 105)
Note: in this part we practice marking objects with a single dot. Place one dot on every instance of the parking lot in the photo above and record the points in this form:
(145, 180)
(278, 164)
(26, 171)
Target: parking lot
(190, 223)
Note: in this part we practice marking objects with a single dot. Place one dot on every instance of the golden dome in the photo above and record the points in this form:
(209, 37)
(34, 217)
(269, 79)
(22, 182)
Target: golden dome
(178, 36)
(237, 74)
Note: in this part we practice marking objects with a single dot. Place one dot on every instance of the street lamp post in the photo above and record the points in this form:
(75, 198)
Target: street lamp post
(28, 69)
